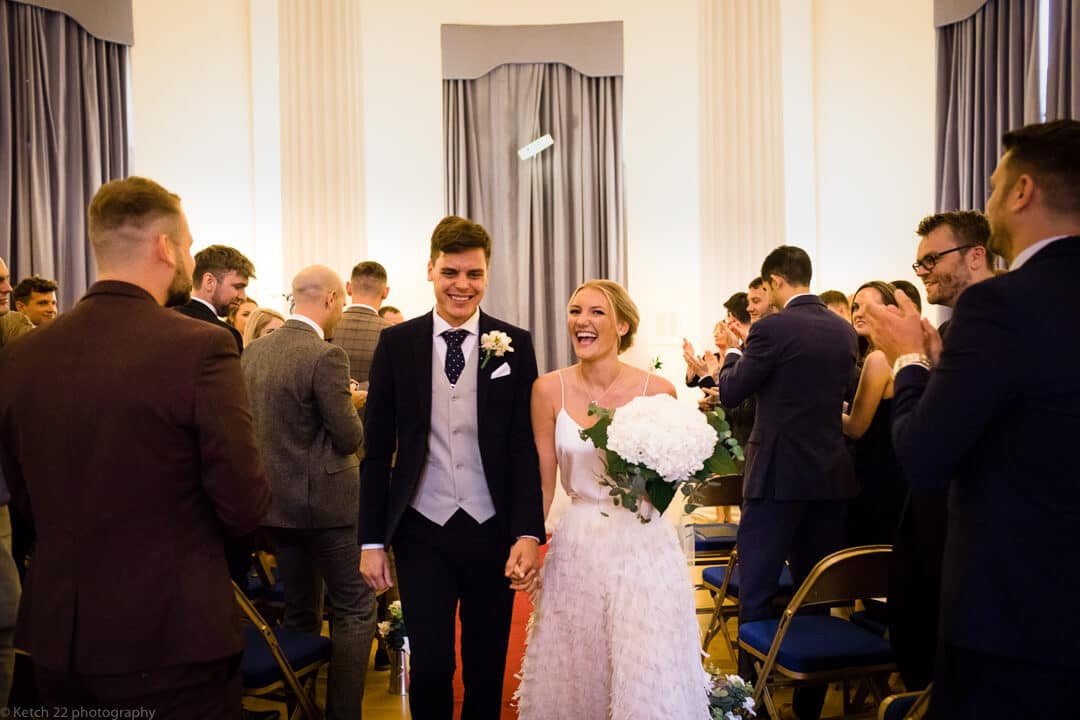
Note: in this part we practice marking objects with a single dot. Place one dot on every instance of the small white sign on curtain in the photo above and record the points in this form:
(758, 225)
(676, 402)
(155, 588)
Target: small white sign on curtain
(536, 147)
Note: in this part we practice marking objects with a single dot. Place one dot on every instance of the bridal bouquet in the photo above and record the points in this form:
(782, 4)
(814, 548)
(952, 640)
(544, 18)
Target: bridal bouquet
(730, 698)
(655, 445)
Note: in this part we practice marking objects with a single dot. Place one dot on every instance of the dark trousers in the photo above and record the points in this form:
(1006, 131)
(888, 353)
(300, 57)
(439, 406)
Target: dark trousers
(771, 532)
(209, 691)
(915, 586)
(332, 554)
(439, 568)
(971, 685)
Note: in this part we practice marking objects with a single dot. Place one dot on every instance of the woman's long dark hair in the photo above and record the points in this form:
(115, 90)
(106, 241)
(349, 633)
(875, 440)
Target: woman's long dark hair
(888, 296)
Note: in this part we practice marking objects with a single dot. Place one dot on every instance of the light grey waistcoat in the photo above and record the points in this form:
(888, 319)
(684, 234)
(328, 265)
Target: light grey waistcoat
(453, 475)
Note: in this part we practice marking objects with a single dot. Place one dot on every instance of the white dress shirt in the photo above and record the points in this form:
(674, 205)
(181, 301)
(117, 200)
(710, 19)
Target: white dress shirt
(305, 319)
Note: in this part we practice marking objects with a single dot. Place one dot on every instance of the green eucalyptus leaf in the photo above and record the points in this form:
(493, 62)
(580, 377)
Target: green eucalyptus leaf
(660, 493)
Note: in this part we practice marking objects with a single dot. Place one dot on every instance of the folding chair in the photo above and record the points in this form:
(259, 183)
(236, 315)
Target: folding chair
(279, 664)
(802, 649)
(713, 542)
(722, 582)
(905, 706)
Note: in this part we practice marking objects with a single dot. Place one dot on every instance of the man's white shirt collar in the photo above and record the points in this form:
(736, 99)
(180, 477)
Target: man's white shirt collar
(212, 308)
(361, 305)
(472, 325)
(1030, 250)
(797, 295)
(305, 319)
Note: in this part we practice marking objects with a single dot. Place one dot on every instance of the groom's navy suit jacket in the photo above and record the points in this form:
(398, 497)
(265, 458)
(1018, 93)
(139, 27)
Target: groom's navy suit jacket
(398, 418)
(1001, 429)
(799, 362)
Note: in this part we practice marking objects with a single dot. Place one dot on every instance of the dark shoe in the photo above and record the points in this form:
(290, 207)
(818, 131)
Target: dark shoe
(382, 660)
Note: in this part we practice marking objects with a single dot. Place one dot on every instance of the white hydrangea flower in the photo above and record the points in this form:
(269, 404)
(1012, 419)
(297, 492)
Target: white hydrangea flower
(663, 434)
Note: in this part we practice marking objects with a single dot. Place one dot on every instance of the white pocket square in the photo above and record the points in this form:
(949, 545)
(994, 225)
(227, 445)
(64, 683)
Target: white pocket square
(501, 371)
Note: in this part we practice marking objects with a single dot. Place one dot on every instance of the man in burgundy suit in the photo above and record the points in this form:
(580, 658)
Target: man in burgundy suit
(127, 601)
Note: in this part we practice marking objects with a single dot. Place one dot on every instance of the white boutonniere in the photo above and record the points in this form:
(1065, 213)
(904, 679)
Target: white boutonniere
(495, 343)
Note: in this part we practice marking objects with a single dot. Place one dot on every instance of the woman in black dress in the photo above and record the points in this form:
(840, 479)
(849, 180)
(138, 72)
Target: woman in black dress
(875, 512)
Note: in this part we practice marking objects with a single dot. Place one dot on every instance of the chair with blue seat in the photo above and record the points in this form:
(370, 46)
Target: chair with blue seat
(905, 706)
(811, 649)
(722, 582)
(713, 542)
(279, 666)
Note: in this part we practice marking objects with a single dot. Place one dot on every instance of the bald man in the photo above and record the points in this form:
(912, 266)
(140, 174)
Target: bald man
(309, 432)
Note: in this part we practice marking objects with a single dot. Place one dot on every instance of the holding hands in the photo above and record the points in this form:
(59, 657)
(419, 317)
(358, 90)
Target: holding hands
(523, 565)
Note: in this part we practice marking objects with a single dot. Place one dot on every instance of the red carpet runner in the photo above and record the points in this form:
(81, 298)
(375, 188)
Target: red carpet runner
(514, 653)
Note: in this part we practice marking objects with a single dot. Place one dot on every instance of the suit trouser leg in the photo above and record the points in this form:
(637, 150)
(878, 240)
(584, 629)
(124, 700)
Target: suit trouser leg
(335, 556)
(819, 532)
(971, 685)
(915, 586)
(429, 595)
(487, 604)
(765, 533)
(10, 591)
(771, 532)
(438, 567)
(303, 586)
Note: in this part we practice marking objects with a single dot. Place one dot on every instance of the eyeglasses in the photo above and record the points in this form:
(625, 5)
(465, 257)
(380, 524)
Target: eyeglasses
(930, 260)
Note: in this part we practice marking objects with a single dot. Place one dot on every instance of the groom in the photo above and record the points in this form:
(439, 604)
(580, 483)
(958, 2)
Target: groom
(461, 502)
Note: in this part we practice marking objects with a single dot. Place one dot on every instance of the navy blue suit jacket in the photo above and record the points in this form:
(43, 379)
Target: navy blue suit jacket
(799, 363)
(1001, 429)
(398, 418)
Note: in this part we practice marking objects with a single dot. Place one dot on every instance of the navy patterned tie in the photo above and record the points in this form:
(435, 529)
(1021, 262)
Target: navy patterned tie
(455, 359)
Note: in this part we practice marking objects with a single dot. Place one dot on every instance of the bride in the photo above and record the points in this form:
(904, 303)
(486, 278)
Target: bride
(614, 633)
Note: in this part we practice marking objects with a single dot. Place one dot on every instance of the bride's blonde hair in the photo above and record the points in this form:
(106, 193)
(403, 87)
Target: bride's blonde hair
(621, 304)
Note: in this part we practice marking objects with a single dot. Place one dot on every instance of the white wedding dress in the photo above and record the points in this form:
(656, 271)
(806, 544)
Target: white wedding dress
(614, 633)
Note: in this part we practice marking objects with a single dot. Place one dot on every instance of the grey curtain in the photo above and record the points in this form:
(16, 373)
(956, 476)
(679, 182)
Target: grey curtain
(987, 84)
(1063, 71)
(556, 219)
(63, 133)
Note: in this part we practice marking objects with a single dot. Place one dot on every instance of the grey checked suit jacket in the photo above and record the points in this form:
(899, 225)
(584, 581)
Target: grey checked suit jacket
(306, 427)
(358, 333)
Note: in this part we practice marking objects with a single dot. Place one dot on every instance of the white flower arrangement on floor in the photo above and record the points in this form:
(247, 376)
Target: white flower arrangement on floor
(655, 445)
(392, 631)
(730, 697)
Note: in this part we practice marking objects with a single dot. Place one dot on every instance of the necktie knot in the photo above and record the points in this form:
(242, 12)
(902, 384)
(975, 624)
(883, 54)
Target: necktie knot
(454, 338)
(455, 359)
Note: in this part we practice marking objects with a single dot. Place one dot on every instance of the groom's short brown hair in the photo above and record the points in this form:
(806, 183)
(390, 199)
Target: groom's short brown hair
(455, 234)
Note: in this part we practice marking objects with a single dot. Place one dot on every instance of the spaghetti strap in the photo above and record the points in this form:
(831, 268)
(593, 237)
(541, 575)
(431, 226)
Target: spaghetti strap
(562, 390)
(645, 389)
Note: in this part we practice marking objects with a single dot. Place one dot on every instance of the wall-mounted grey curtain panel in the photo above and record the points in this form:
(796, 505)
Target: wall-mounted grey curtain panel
(110, 20)
(63, 133)
(470, 51)
(947, 12)
(1063, 72)
(556, 219)
(987, 84)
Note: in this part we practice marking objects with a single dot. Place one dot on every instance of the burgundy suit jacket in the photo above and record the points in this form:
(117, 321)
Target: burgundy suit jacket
(125, 433)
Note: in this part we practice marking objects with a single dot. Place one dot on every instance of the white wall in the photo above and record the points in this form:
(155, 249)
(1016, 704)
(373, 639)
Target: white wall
(191, 113)
(874, 130)
(858, 121)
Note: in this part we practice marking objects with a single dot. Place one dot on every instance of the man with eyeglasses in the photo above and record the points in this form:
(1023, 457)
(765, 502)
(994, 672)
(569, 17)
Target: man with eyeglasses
(979, 418)
(952, 256)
